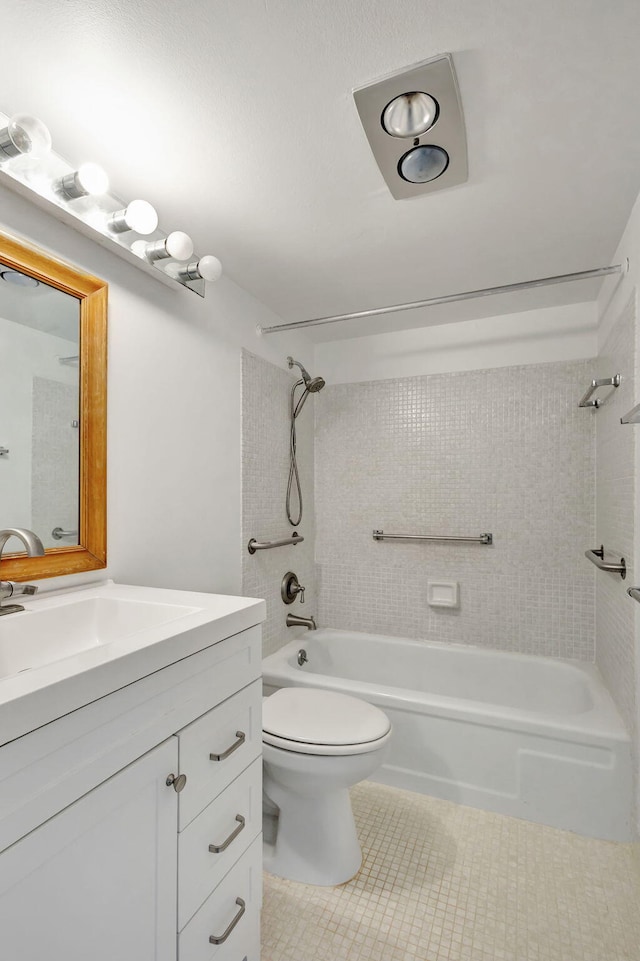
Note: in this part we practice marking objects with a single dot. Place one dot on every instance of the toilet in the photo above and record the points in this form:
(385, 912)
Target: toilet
(316, 745)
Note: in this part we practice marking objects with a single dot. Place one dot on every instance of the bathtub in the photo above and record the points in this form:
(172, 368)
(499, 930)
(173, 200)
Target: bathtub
(532, 737)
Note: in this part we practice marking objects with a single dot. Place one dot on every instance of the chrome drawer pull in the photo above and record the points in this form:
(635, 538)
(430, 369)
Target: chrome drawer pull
(241, 736)
(223, 937)
(217, 848)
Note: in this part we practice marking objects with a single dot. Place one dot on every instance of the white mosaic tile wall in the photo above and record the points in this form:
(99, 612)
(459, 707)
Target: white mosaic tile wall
(503, 450)
(54, 460)
(265, 467)
(615, 455)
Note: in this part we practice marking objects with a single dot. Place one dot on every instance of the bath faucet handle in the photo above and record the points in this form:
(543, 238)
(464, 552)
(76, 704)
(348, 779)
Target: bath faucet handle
(291, 588)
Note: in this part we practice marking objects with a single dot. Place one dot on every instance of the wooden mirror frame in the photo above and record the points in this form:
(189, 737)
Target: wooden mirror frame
(91, 551)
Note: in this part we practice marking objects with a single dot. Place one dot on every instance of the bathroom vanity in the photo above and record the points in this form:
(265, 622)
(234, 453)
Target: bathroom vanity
(130, 777)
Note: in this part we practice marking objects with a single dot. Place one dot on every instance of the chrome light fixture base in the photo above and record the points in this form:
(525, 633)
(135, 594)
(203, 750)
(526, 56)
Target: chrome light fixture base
(51, 183)
(415, 127)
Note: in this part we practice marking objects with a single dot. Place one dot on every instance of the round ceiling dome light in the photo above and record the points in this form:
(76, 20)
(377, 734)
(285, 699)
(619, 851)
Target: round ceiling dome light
(423, 164)
(410, 114)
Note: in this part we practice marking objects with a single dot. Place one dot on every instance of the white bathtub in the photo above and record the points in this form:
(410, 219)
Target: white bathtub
(532, 737)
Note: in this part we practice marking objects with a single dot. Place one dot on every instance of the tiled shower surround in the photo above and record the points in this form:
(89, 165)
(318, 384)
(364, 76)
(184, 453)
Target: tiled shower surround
(265, 467)
(615, 452)
(504, 450)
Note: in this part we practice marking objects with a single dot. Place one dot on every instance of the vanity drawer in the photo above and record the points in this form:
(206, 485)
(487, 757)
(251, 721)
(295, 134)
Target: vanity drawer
(217, 747)
(231, 823)
(216, 917)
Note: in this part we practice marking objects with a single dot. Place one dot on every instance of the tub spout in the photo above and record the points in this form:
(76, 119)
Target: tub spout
(293, 620)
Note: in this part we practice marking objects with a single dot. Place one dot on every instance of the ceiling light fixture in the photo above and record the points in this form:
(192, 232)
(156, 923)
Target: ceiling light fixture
(18, 279)
(52, 183)
(398, 111)
(22, 135)
(138, 216)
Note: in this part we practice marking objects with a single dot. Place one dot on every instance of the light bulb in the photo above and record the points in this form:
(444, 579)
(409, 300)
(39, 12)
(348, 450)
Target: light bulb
(207, 268)
(423, 164)
(177, 244)
(24, 135)
(88, 179)
(138, 215)
(410, 114)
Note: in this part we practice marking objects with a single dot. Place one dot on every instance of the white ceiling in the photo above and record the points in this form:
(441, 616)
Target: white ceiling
(236, 119)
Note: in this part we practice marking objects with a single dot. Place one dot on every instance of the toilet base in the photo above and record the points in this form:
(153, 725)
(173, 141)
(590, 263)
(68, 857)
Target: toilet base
(316, 840)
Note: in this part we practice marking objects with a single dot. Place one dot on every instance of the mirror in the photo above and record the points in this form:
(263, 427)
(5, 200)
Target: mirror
(53, 322)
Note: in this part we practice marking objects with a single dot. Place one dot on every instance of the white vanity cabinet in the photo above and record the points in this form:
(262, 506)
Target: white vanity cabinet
(99, 879)
(102, 858)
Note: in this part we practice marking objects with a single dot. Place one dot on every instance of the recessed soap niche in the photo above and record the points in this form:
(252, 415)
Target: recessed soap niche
(443, 593)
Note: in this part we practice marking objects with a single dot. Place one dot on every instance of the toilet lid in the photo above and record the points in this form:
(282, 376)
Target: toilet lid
(311, 716)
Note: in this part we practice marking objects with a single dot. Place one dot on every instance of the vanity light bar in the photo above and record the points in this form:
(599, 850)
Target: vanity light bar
(80, 197)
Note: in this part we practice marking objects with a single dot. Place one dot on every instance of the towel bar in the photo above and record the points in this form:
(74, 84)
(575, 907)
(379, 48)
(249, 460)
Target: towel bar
(481, 539)
(603, 382)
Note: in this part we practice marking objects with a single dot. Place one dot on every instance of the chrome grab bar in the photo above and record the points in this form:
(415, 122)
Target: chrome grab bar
(597, 557)
(241, 737)
(634, 592)
(255, 545)
(223, 937)
(218, 848)
(58, 533)
(603, 382)
(631, 417)
(482, 539)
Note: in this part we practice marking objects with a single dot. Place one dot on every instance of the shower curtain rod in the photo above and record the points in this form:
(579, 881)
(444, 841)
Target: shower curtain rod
(448, 299)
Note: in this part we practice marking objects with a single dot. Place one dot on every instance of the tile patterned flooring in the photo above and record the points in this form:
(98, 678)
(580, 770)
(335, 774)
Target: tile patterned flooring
(443, 882)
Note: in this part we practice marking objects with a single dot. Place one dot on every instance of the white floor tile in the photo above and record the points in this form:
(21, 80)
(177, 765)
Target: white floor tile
(442, 882)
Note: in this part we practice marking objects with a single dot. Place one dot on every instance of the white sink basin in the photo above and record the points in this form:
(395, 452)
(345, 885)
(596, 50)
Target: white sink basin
(43, 635)
(69, 648)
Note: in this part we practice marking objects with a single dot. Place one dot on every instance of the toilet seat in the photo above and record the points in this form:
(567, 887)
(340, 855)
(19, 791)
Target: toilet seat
(313, 721)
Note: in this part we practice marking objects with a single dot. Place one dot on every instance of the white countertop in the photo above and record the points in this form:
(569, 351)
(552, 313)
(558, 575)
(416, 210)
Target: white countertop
(43, 693)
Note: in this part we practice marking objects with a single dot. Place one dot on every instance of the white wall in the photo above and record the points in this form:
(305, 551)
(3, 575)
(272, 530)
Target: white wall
(529, 337)
(174, 414)
(618, 294)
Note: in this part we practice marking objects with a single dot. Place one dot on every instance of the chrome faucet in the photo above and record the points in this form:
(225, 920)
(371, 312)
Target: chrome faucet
(34, 548)
(294, 620)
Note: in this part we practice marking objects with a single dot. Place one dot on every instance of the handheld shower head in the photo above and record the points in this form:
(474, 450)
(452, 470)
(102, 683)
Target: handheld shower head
(315, 384)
